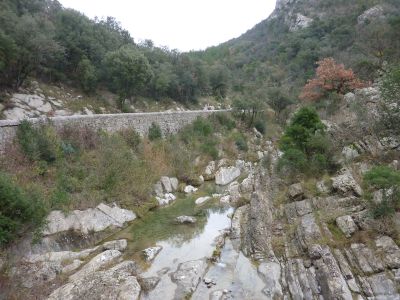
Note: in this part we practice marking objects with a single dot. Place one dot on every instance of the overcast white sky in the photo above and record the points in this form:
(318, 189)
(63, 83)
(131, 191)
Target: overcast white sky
(180, 24)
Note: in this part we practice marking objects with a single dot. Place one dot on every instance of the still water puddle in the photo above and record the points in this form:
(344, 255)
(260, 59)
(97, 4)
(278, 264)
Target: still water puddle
(180, 242)
(202, 244)
(185, 242)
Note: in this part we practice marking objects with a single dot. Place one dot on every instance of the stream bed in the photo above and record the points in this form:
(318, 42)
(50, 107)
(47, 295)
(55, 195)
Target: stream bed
(187, 242)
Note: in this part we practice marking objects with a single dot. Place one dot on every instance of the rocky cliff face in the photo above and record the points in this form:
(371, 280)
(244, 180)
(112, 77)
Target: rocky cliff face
(319, 247)
(321, 242)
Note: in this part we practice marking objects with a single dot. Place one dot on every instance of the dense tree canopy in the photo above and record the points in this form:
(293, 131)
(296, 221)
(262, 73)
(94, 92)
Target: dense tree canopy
(42, 39)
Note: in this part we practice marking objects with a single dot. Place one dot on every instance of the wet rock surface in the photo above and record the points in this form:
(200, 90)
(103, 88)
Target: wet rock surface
(187, 277)
(185, 220)
(151, 253)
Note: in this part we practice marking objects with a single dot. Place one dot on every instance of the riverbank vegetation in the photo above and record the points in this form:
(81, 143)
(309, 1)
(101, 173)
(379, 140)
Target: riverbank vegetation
(77, 168)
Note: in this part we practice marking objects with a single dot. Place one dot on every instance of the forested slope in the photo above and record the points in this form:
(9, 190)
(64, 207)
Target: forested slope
(277, 56)
(41, 39)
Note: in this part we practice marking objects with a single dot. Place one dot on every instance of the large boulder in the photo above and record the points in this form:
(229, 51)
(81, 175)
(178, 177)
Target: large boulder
(151, 253)
(345, 184)
(383, 287)
(226, 175)
(296, 192)
(247, 184)
(390, 252)
(187, 277)
(96, 263)
(330, 278)
(308, 232)
(190, 189)
(166, 199)
(349, 153)
(185, 220)
(293, 210)
(202, 200)
(234, 191)
(209, 172)
(89, 220)
(166, 184)
(346, 225)
(366, 259)
(158, 189)
(119, 245)
(149, 283)
(174, 183)
(60, 256)
(117, 283)
(37, 274)
(271, 272)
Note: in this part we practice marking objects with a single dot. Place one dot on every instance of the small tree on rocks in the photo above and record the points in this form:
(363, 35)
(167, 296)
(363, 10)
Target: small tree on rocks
(330, 77)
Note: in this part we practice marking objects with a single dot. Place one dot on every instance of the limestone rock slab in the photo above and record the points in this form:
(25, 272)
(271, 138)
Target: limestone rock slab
(226, 175)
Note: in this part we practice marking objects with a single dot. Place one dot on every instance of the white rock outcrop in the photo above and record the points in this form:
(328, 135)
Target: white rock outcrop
(296, 192)
(185, 220)
(346, 184)
(371, 14)
(118, 282)
(190, 189)
(167, 199)
(349, 153)
(226, 175)
(59, 256)
(299, 22)
(97, 262)
(209, 172)
(346, 225)
(85, 221)
(202, 200)
(151, 253)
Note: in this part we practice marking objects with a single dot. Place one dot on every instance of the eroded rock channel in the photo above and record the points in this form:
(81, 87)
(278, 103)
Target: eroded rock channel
(254, 237)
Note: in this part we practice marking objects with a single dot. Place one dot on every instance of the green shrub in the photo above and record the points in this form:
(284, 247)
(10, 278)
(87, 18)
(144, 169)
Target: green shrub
(209, 147)
(27, 139)
(382, 177)
(305, 146)
(241, 143)
(388, 180)
(294, 159)
(38, 143)
(260, 126)
(132, 138)
(17, 208)
(154, 132)
(202, 127)
(225, 121)
(119, 173)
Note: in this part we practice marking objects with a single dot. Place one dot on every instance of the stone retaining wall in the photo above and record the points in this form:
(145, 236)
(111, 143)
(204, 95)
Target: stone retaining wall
(169, 122)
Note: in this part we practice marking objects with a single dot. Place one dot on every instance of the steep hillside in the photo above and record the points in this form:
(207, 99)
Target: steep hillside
(281, 51)
(43, 41)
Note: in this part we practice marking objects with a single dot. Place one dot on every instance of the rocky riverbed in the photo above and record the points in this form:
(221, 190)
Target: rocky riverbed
(243, 234)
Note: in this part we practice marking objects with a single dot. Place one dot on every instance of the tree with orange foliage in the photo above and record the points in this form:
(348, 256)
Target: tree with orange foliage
(330, 77)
